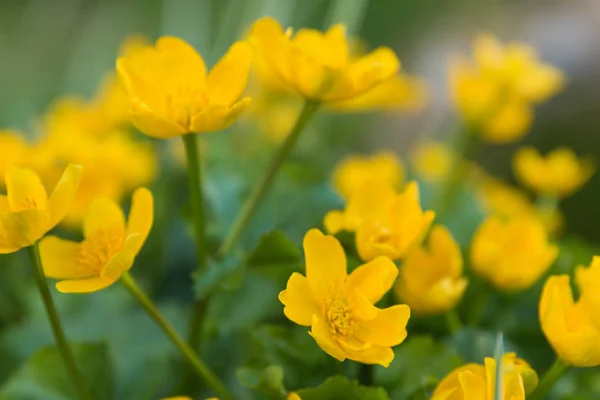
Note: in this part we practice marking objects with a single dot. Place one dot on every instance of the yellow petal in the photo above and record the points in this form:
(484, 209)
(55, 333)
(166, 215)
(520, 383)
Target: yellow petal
(152, 124)
(123, 260)
(334, 222)
(23, 228)
(473, 385)
(189, 65)
(370, 201)
(375, 278)
(337, 46)
(372, 355)
(300, 305)
(388, 328)
(228, 78)
(370, 70)
(25, 190)
(320, 331)
(60, 259)
(325, 261)
(141, 215)
(103, 215)
(64, 192)
(4, 205)
(87, 285)
(509, 123)
(218, 117)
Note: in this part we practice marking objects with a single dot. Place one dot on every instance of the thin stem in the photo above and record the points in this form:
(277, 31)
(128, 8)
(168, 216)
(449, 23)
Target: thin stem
(452, 321)
(478, 306)
(190, 142)
(249, 208)
(57, 330)
(556, 371)
(194, 359)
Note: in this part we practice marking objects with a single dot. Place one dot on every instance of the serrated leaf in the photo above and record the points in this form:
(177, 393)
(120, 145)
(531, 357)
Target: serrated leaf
(44, 376)
(340, 388)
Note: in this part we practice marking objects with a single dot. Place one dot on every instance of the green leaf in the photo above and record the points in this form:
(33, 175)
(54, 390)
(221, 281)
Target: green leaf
(499, 353)
(473, 345)
(268, 380)
(340, 388)
(420, 362)
(227, 274)
(274, 248)
(44, 377)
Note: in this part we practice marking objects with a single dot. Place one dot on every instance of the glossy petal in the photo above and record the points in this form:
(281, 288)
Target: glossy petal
(373, 355)
(25, 190)
(87, 285)
(325, 261)
(375, 278)
(103, 215)
(320, 331)
(152, 124)
(60, 259)
(23, 228)
(218, 117)
(141, 215)
(388, 328)
(123, 260)
(334, 222)
(62, 197)
(299, 302)
(228, 78)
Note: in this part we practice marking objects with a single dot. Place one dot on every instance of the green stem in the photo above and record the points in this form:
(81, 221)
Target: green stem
(249, 208)
(57, 330)
(194, 360)
(452, 321)
(478, 307)
(556, 371)
(190, 142)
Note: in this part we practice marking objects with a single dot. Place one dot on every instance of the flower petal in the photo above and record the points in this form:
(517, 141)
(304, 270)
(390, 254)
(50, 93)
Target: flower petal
(228, 78)
(25, 190)
(151, 123)
(123, 260)
(141, 215)
(102, 215)
(87, 285)
(388, 328)
(375, 278)
(334, 222)
(321, 333)
(372, 355)
(60, 259)
(4, 205)
(300, 305)
(218, 117)
(23, 228)
(64, 192)
(325, 261)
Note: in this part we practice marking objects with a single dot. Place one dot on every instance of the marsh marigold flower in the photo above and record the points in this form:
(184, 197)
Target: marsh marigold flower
(108, 250)
(171, 94)
(559, 174)
(12, 148)
(431, 278)
(319, 66)
(495, 90)
(355, 170)
(512, 254)
(339, 307)
(431, 160)
(26, 212)
(396, 228)
(477, 382)
(573, 327)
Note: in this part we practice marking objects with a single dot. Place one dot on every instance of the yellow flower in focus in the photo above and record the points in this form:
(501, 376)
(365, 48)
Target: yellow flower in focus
(557, 175)
(432, 160)
(573, 327)
(512, 254)
(12, 148)
(108, 250)
(354, 171)
(495, 90)
(339, 307)
(26, 212)
(431, 277)
(401, 225)
(318, 65)
(171, 94)
(478, 382)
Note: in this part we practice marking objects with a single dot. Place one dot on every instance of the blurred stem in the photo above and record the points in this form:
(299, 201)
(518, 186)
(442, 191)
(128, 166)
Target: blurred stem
(349, 12)
(191, 356)
(251, 205)
(57, 330)
(466, 147)
(478, 307)
(546, 208)
(556, 371)
(452, 321)
(365, 374)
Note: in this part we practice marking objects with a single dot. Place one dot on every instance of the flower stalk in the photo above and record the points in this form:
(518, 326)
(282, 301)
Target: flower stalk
(57, 330)
(556, 371)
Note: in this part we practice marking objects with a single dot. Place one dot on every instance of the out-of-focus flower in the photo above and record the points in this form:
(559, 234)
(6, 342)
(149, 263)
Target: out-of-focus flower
(186, 398)
(12, 147)
(339, 307)
(393, 231)
(108, 250)
(354, 171)
(431, 278)
(573, 327)
(319, 66)
(370, 201)
(171, 94)
(558, 175)
(26, 212)
(293, 396)
(478, 382)
(432, 160)
(496, 89)
(511, 254)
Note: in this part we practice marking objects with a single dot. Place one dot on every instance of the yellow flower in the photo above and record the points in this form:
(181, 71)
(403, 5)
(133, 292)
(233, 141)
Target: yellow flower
(108, 250)
(401, 225)
(478, 382)
(511, 254)
(339, 307)
(353, 171)
(171, 94)
(26, 212)
(431, 278)
(503, 200)
(367, 202)
(573, 327)
(12, 148)
(431, 160)
(496, 90)
(293, 396)
(559, 174)
(318, 65)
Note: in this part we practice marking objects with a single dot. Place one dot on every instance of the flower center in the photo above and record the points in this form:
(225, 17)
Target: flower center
(95, 251)
(184, 103)
(337, 309)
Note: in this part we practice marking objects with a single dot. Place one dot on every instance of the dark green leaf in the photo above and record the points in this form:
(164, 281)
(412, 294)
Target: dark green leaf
(274, 248)
(268, 380)
(340, 388)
